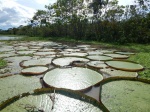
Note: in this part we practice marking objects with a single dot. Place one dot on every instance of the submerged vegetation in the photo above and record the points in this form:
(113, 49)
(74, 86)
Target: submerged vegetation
(3, 63)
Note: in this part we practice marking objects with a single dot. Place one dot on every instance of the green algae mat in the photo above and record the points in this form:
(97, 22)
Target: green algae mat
(48, 100)
(125, 65)
(125, 95)
(74, 78)
(17, 84)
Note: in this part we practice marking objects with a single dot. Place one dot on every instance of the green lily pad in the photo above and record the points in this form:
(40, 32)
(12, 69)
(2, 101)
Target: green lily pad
(25, 52)
(117, 56)
(99, 58)
(125, 65)
(58, 100)
(113, 73)
(107, 51)
(83, 46)
(125, 95)
(65, 61)
(72, 78)
(44, 53)
(95, 53)
(72, 50)
(75, 54)
(21, 48)
(17, 84)
(97, 64)
(46, 50)
(36, 62)
(125, 53)
(34, 70)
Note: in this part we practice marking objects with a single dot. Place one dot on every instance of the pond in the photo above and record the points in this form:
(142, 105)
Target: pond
(90, 78)
(8, 38)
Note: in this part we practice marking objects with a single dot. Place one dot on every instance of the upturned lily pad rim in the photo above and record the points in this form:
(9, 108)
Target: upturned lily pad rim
(124, 69)
(118, 78)
(65, 92)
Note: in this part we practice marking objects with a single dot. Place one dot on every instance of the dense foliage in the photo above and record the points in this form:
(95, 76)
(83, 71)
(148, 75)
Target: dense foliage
(99, 20)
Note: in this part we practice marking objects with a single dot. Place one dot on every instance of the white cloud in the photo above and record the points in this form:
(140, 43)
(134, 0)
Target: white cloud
(126, 2)
(13, 14)
(45, 2)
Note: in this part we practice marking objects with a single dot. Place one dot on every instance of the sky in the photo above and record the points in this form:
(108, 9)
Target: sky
(14, 13)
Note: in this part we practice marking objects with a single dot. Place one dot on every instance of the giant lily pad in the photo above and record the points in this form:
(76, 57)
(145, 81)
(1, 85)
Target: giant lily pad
(125, 53)
(97, 64)
(117, 56)
(46, 50)
(95, 53)
(113, 72)
(72, 78)
(99, 58)
(58, 100)
(25, 52)
(44, 53)
(125, 65)
(76, 54)
(34, 70)
(67, 60)
(36, 62)
(17, 84)
(125, 95)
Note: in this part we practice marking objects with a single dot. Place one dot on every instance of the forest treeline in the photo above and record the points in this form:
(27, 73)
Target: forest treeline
(96, 20)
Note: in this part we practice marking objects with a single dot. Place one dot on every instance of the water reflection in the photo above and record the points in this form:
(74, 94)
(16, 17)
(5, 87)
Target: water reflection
(8, 38)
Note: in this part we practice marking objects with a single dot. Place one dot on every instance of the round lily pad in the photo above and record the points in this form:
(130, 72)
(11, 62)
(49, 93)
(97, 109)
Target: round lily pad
(114, 73)
(72, 78)
(25, 52)
(117, 56)
(125, 95)
(58, 100)
(99, 58)
(36, 62)
(125, 53)
(83, 46)
(76, 54)
(97, 64)
(67, 60)
(34, 70)
(21, 48)
(44, 53)
(95, 53)
(17, 84)
(125, 65)
(72, 50)
(46, 50)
